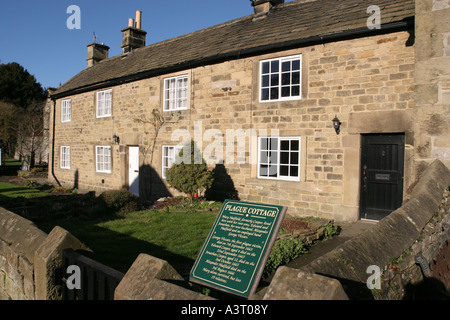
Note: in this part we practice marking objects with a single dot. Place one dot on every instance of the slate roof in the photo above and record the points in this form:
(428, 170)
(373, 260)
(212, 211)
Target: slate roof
(286, 24)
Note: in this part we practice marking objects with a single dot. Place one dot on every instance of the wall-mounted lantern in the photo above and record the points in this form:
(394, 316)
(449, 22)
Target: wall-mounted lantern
(116, 139)
(336, 124)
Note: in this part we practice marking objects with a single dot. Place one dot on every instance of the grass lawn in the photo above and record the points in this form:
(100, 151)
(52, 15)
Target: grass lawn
(175, 234)
(176, 237)
(10, 191)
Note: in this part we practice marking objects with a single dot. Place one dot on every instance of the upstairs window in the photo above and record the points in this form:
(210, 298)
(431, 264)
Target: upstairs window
(280, 79)
(66, 110)
(104, 103)
(176, 93)
(103, 159)
(279, 158)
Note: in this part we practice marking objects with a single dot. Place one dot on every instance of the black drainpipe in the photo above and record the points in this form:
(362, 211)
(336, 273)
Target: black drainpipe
(53, 143)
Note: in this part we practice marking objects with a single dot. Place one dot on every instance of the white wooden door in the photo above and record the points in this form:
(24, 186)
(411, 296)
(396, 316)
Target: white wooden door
(133, 170)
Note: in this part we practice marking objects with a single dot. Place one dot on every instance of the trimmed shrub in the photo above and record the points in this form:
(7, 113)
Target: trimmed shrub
(189, 177)
(121, 201)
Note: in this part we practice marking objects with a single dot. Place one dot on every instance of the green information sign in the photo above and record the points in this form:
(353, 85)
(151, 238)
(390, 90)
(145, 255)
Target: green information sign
(235, 253)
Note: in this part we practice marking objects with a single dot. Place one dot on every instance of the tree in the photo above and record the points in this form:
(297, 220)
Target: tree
(29, 134)
(19, 87)
(189, 174)
(8, 124)
(21, 107)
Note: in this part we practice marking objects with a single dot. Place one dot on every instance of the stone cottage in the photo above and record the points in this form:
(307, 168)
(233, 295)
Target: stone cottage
(332, 108)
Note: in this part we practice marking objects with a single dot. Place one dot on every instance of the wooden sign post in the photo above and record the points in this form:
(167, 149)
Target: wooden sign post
(235, 252)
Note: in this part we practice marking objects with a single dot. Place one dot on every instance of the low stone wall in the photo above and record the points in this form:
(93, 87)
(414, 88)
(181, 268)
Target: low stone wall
(420, 228)
(28, 257)
(19, 240)
(389, 239)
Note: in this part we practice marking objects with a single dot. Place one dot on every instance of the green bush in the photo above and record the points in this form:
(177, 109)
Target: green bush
(283, 251)
(121, 201)
(190, 177)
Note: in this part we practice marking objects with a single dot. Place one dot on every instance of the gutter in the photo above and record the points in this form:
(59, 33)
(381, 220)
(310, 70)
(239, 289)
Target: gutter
(405, 24)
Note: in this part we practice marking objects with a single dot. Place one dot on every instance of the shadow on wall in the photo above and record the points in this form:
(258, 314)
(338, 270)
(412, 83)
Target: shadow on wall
(151, 187)
(75, 179)
(222, 187)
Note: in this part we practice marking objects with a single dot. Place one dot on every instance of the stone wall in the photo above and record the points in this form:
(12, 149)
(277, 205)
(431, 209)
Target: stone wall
(367, 82)
(19, 240)
(402, 231)
(432, 83)
(28, 258)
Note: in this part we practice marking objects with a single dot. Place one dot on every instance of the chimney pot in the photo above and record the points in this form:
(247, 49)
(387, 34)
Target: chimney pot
(133, 37)
(138, 19)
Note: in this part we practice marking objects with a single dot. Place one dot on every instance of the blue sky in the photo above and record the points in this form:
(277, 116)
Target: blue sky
(34, 32)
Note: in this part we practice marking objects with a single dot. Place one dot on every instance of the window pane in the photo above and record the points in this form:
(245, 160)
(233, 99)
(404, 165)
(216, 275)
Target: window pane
(294, 171)
(284, 158)
(263, 170)
(286, 66)
(265, 81)
(294, 157)
(265, 67)
(273, 157)
(264, 158)
(264, 143)
(274, 66)
(296, 65)
(265, 94)
(295, 91)
(285, 92)
(273, 143)
(285, 79)
(284, 145)
(274, 80)
(295, 77)
(294, 145)
(273, 171)
(284, 171)
(273, 93)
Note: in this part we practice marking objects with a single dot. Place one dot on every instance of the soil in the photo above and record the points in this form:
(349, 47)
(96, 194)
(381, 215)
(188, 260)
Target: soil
(292, 225)
(168, 202)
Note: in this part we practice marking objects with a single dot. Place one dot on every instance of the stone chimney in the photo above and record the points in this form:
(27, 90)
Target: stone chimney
(133, 36)
(96, 53)
(263, 6)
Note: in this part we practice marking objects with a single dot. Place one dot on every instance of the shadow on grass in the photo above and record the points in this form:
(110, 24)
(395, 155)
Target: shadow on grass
(118, 250)
(81, 215)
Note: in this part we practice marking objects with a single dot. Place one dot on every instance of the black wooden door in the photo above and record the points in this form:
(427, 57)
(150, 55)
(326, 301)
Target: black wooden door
(382, 162)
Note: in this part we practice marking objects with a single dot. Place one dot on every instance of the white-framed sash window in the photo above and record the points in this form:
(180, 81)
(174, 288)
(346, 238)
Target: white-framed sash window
(104, 103)
(103, 159)
(176, 93)
(168, 157)
(65, 157)
(281, 79)
(279, 158)
(66, 110)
